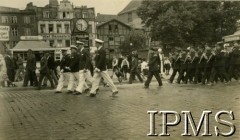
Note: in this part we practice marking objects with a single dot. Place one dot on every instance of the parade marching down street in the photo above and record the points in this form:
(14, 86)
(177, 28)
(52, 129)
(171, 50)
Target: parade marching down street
(82, 73)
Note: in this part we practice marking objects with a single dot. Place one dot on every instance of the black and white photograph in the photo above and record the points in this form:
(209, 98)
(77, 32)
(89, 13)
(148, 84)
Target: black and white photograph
(119, 70)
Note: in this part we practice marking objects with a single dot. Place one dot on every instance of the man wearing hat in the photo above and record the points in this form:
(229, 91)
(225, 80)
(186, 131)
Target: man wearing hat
(64, 69)
(74, 69)
(234, 63)
(84, 69)
(153, 68)
(30, 70)
(100, 70)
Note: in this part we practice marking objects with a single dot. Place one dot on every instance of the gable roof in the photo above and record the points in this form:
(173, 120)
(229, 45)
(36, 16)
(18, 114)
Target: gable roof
(99, 25)
(132, 6)
(105, 17)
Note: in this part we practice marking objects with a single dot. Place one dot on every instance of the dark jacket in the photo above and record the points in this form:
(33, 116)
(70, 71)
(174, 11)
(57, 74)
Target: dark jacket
(220, 59)
(74, 62)
(100, 59)
(51, 63)
(31, 62)
(44, 65)
(65, 61)
(85, 60)
(9, 62)
(235, 57)
(154, 62)
(134, 64)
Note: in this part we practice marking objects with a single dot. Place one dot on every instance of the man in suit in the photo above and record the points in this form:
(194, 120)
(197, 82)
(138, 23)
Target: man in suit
(176, 62)
(30, 70)
(52, 69)
(84, 70)
(44, 71)
(134, 69)
(64, 63)
(100, 70)
(153, 68)
(74, 69)
(10, 68)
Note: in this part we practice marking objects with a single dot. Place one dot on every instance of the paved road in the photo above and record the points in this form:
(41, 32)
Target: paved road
(28, 114)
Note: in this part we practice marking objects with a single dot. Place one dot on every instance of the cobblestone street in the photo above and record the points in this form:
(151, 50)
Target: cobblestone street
(28, 114)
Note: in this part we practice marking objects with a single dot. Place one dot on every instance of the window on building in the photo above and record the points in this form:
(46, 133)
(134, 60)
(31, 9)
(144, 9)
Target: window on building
(68, 43)
(67, 28)
(14, 19)
(26, 19)
(27, 31)
(64, 15)
(51, 43)
(110, 38)
(110, 27)
(130, 17)
(85, 15)
(59, 43)
(14, 32)
(4, 19)
(42, 28)
(116, 28)
(50, 28)
(46, 14)
(59, 28)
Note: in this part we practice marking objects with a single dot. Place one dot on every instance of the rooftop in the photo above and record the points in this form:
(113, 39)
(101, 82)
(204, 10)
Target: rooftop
(133, 5)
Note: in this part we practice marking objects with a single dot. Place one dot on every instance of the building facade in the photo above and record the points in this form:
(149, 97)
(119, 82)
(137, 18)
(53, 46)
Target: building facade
(56, 32)
(20, 22)
(113, 33)
(57, 23)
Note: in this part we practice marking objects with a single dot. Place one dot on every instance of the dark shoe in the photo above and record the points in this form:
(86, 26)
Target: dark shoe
(58, 92)
(69, 92)
(77, 93)
(114, 93)
(92, 95)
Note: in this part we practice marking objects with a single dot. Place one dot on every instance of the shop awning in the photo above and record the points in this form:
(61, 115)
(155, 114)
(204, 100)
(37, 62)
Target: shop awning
(33, 45)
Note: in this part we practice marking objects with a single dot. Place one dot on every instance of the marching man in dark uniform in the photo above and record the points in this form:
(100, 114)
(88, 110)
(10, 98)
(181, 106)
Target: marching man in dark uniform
(100, 70)
(234, 64)
(185, 59)
(84, 70)
(219, 66)
(153, 68)
(64, 64)
(176, 62)
(74, 69)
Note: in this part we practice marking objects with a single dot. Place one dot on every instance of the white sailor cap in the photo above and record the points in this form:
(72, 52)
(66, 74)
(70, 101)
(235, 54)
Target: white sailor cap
(79, 42)
(99, 41)
(73, 47)
(159, 50)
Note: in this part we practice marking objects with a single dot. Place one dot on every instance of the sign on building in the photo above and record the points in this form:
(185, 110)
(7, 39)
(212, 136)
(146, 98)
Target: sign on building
(4, 33)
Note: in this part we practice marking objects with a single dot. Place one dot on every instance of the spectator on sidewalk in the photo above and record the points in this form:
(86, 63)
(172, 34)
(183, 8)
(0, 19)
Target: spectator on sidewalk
(3, 71)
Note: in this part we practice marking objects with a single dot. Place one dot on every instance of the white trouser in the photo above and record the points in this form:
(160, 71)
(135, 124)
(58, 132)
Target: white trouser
(96, 79)
(73, 80)
(83, 76)
(63, 77)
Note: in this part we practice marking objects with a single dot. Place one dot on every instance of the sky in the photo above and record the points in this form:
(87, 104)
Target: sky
(101, 6)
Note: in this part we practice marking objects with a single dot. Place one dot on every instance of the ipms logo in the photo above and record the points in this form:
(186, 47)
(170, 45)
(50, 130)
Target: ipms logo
(189, 121)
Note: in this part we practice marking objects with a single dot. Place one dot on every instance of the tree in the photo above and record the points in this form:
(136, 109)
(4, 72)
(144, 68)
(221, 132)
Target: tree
(134, 41)
(183, 23)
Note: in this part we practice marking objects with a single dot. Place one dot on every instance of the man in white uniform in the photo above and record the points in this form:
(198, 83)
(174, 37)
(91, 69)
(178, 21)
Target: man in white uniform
(64, 69)
(84, 70)
(100, 70)
(74, 69)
